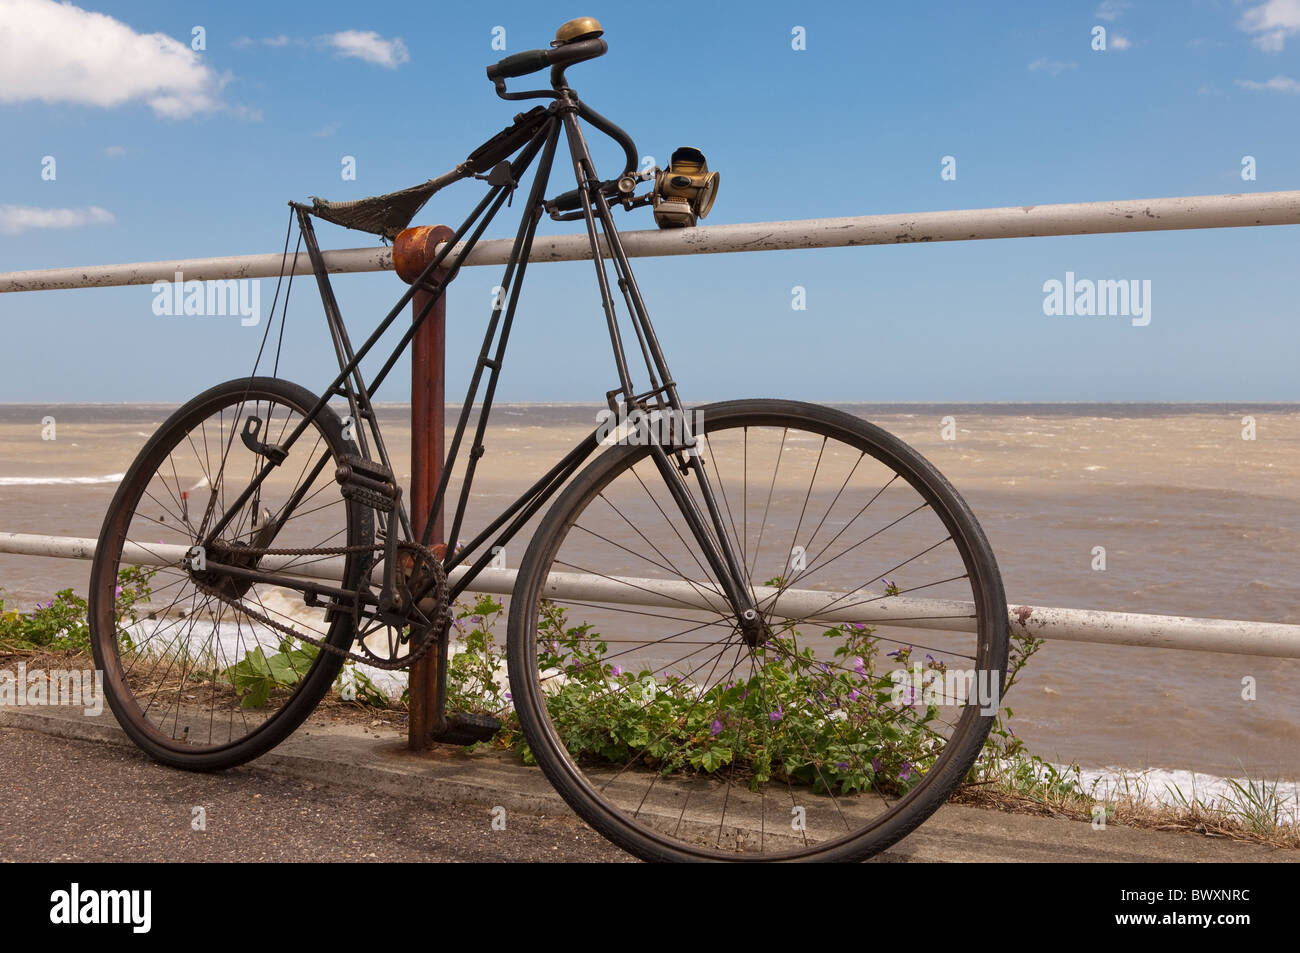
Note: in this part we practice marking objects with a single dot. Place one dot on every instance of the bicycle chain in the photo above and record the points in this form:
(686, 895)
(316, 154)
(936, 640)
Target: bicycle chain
(416, 652)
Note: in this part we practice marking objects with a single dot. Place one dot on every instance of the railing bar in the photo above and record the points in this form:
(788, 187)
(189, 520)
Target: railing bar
(1232, 636)
(1021, 221)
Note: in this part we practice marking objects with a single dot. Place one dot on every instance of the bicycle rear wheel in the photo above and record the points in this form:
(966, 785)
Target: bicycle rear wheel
(200, 681)
(866, 705)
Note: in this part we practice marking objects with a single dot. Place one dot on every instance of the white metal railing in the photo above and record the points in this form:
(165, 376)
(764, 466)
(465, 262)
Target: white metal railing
(816, 605)
(1027, 221)
(1084, 218)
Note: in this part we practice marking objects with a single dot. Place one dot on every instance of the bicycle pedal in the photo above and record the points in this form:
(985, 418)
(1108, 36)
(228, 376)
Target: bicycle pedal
(464, 728)
(367, 482)
(353, 464)
(376, 501)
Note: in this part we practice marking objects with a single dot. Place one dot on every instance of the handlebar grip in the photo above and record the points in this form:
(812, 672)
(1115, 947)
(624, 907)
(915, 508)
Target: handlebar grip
(520, 64)
(577, 51)
(569, 201)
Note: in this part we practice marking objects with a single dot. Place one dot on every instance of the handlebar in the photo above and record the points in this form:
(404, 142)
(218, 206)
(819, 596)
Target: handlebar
(571, 200)
(575, 41)
(530, 61)
(519, 64)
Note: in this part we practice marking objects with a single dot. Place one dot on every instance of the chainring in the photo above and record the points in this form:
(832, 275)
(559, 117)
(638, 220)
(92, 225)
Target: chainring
(387, 643)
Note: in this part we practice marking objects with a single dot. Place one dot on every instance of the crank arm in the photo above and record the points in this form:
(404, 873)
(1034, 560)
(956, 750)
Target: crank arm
(312, 591)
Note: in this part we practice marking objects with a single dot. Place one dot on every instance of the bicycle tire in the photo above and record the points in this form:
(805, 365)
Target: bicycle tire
(586, 786)
(139, 716)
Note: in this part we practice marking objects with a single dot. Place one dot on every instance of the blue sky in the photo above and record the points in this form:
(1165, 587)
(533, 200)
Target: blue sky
(164, 152)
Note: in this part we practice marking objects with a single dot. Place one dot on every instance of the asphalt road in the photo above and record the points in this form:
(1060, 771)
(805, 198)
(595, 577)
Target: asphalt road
(75, 789)
(69, 800)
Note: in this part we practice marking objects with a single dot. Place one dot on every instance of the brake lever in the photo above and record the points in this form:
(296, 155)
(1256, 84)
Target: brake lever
(500, 86)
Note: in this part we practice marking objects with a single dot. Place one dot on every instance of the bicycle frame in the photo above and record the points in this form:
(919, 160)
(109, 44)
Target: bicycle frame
(674, 461)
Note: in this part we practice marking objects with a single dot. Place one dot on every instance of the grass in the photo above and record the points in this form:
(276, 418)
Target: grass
(1251, 810)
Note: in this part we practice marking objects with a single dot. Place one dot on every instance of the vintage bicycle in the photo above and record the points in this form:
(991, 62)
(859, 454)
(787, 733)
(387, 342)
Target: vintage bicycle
(757, 629)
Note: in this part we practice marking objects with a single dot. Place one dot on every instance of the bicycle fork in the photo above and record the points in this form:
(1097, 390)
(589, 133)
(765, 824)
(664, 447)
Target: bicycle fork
(711, 534)
(673, 464)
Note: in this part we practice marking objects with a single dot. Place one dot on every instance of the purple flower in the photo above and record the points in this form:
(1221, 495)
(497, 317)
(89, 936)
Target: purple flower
(776, 715)
(716, 728)
(875, 765)
(854, 695)
(842, 765)
(859, 666)
(616, 671)
(895, 653)
(906, 772)
(117, 591)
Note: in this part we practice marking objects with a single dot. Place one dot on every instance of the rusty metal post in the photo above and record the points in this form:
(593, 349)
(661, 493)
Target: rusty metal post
(412, 251)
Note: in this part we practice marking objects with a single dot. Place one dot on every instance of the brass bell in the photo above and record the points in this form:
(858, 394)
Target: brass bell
(580, 28)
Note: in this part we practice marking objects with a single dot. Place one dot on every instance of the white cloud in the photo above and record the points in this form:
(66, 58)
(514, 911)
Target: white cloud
(1281, 84)
(1271, 23)
(1050, 66)
(59, 53)
(369, 46)
(1111, 9)
(15, 219)
(1117, 42)
(327, 130)
(246, 113)
(244, 42)
(362, 44)
(115, 152)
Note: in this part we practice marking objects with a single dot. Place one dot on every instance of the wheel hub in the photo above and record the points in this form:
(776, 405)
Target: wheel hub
(753, 629)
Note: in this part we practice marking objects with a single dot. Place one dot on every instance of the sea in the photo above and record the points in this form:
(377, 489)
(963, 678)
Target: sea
(1196, 508)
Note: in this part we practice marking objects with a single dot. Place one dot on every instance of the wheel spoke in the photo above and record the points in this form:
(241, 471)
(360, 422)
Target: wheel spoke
(658, 721)
(198, 672)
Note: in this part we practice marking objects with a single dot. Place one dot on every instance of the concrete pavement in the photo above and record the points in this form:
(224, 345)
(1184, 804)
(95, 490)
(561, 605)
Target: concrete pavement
(77, 789)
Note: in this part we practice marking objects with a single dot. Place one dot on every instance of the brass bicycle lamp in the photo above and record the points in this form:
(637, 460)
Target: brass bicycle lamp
(685, 190)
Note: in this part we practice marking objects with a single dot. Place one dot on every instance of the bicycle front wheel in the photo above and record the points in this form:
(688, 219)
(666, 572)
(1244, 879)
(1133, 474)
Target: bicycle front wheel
(854, 715)
(207, 671)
